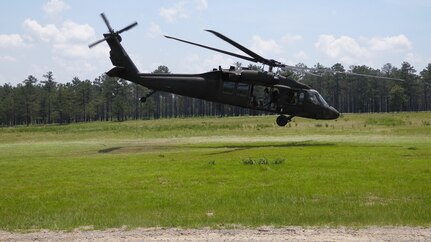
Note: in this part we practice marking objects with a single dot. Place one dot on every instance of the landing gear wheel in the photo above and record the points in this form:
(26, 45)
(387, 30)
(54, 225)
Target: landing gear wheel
(282, 120)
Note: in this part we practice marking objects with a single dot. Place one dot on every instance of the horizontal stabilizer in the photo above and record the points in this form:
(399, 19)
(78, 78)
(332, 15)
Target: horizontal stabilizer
(117, 71)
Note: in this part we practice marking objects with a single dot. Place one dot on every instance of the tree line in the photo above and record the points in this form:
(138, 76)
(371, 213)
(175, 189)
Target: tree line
(106, 99)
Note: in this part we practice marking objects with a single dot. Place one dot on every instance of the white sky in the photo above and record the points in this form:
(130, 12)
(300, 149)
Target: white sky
(38, 36)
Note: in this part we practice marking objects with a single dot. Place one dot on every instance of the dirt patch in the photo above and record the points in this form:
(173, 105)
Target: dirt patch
(260, 234)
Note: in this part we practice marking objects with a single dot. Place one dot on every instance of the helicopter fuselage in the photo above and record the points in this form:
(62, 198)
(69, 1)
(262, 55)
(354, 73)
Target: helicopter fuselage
(257, 90)
(252, 89)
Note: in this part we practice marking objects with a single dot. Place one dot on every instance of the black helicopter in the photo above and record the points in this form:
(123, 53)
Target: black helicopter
(258, 90)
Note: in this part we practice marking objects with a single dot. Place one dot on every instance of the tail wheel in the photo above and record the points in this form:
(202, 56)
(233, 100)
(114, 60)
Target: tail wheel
(144, 98)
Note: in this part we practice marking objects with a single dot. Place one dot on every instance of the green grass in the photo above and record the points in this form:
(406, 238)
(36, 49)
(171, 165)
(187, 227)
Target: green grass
(360, 170)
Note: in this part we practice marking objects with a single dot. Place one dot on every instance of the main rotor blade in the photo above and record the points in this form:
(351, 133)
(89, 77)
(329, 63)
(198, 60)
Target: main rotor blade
(294, 68)
(367, 75)
(127, 28)
(305, 70)
(257, 57)
(107, 23)
(309, 71)
(214, 49)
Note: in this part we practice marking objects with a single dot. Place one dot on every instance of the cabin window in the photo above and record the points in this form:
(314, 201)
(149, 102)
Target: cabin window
(265, 97)
(228, 87)
(260, 98)
(242, 89)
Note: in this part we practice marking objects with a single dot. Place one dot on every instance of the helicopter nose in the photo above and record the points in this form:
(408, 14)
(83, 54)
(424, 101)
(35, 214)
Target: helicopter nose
(330, 113)
(333, 113)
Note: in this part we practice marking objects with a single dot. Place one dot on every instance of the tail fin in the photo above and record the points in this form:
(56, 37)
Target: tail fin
(124, 66)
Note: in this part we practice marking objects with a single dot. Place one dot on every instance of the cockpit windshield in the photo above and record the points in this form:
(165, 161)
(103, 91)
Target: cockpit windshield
(321, 100)
(317, 99)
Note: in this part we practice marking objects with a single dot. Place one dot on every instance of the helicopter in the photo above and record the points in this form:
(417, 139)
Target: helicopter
(243, 87)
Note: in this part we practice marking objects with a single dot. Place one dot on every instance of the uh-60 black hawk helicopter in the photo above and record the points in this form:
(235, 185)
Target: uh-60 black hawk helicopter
(258, 90)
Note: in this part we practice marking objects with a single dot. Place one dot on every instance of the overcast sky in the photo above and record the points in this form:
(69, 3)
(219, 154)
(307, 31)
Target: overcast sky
(38, 36)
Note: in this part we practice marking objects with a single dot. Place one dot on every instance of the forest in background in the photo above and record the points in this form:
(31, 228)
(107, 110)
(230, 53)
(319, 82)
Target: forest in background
(46, 101)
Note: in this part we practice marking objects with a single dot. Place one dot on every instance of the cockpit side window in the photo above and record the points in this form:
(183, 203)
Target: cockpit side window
(313, 98)
(316, 98)
(301, 97)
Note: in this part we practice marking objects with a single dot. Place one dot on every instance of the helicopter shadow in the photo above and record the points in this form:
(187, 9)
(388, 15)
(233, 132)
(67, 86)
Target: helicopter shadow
(242, 147)
(109, 150)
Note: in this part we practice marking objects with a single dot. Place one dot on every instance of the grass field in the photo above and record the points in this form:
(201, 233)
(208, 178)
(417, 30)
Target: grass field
(359, 170)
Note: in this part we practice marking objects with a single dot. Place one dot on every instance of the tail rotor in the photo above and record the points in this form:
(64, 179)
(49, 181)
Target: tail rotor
(112, 33)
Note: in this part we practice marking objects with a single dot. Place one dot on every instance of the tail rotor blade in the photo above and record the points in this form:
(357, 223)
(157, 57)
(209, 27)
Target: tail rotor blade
(127, 28)
(96, 43)
(107, 23)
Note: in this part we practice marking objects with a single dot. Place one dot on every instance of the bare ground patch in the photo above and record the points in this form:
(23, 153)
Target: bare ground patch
(259, 234)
